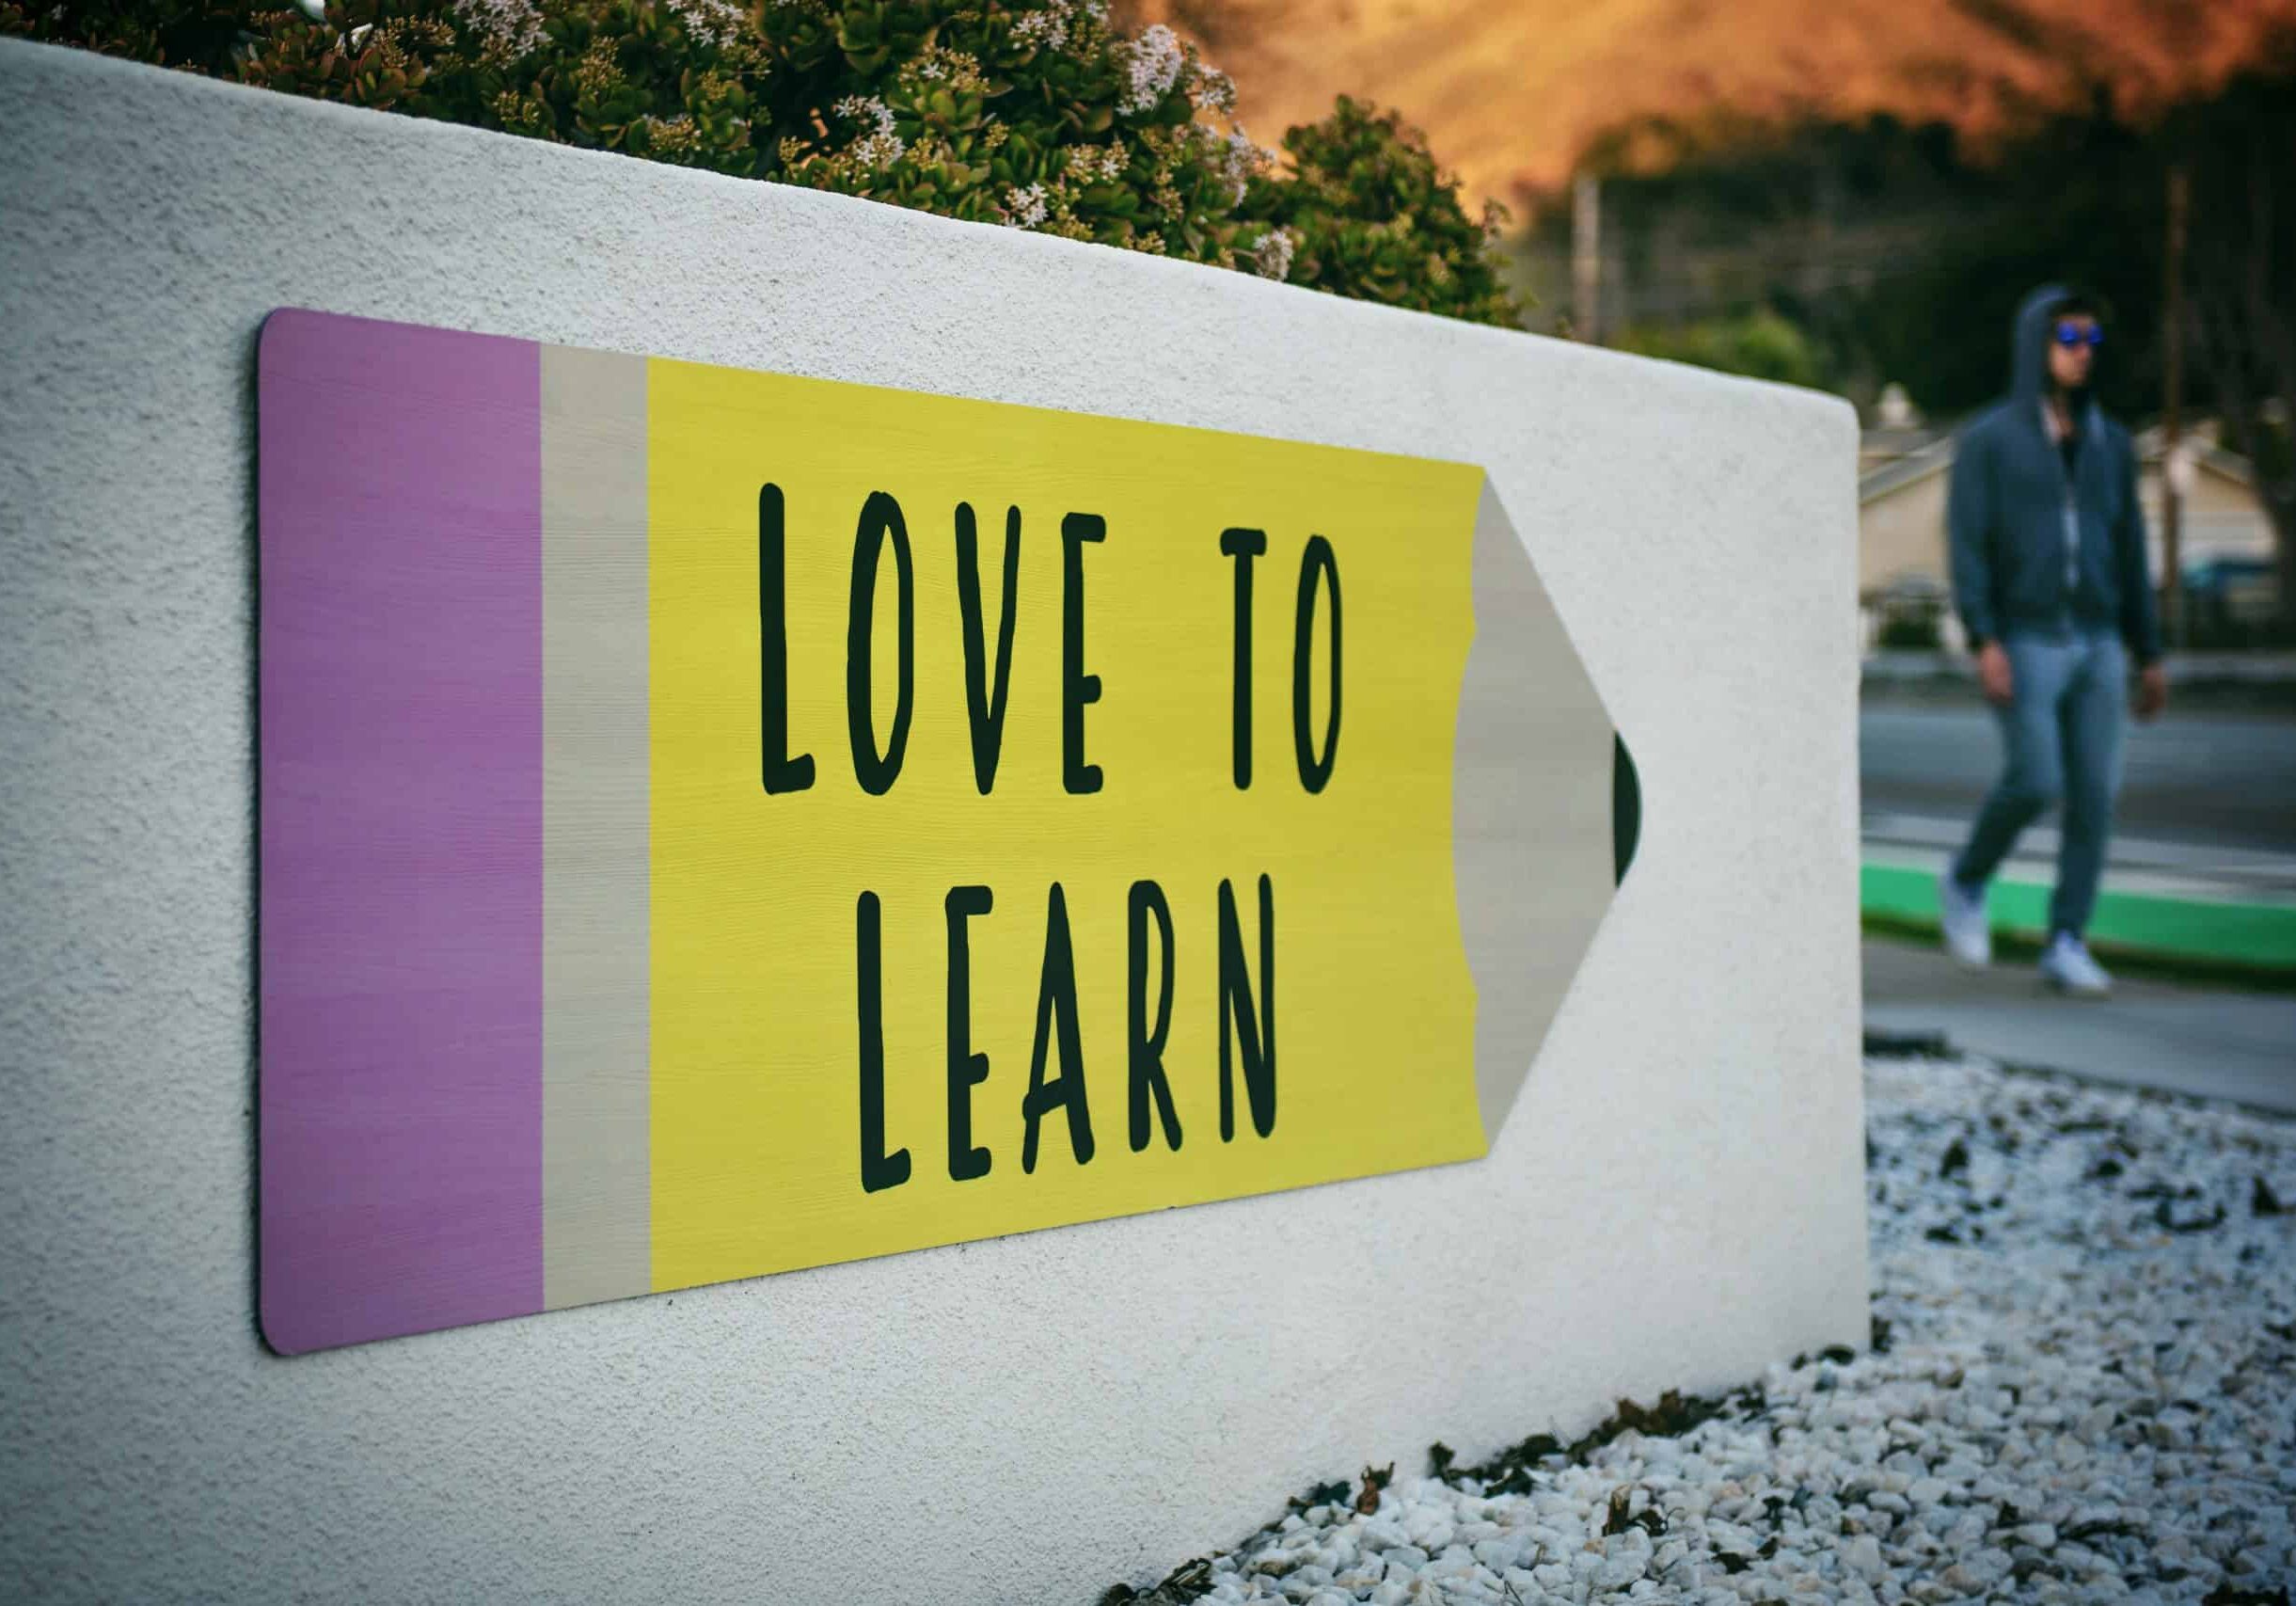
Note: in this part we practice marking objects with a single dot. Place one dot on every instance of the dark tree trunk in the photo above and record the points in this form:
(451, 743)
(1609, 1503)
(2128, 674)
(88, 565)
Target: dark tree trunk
(2243, 297)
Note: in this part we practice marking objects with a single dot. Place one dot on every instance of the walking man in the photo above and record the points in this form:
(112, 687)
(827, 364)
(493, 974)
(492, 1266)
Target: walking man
(2049, 572)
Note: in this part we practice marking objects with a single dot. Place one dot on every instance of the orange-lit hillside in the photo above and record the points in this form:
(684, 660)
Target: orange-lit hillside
(1510, 90)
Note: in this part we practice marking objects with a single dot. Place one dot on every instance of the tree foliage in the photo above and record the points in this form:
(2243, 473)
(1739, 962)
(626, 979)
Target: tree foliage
(1035, 114)
(1372, 217)
(1760, 344)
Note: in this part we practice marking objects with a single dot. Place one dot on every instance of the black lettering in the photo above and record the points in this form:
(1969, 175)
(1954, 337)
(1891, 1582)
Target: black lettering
(967, 1069)
(878, 1169)
(1056, 1001)
(984, 696)
(880, 515)
(1076, 688)
(1145, 1044)
(782, 772)
(1315, 771)
(1257, 1040)
(1244, 545)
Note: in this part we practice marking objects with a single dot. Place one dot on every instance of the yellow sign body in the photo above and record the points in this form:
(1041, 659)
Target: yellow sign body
(1340, 901)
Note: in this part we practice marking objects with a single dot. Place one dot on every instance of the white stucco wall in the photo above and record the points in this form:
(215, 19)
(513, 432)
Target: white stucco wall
(1676, 1200)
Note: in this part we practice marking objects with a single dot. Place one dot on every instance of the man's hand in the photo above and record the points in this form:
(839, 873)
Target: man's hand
(1993, 673)
(2151, 690)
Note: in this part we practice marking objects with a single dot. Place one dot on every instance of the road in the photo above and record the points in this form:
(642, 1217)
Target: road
(2218, 779)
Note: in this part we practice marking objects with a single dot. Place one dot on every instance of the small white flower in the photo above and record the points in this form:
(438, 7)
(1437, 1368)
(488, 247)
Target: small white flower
(1048, 28)
(1090, 164)
(1240, 159)
(868, 109)
(1272, 257)
(1025, 208)
(879, 149)
(1152, 69)
(513, 24)
(712, 22)
(1212, 90)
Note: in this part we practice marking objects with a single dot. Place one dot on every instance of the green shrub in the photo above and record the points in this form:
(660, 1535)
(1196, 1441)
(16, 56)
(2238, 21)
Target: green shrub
(1761, 345)
(1035, 114)
(1371, 217)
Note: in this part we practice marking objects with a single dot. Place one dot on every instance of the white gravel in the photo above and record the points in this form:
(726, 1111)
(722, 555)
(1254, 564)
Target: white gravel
(2085, 1391)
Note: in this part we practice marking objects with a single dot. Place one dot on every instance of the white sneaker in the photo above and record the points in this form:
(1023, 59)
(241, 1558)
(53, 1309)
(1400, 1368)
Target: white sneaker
(1961, 916)
(2066, 965)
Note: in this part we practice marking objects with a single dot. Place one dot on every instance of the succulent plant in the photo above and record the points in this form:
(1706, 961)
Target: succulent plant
(1035, 114)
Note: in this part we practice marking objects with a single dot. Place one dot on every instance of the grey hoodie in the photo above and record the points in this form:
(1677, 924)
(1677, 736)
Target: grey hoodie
(2035, 550)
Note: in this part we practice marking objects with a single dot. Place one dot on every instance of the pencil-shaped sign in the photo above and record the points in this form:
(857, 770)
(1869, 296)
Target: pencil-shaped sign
(715, 822)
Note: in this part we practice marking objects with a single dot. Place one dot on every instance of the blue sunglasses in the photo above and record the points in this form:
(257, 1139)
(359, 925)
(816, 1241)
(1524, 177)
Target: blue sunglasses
(2070, 333)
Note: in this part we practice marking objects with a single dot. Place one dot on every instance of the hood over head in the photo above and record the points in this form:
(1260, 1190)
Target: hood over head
(2028, 341)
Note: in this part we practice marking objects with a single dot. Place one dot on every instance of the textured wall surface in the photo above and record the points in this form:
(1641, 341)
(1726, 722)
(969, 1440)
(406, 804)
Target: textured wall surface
(1675, 1200)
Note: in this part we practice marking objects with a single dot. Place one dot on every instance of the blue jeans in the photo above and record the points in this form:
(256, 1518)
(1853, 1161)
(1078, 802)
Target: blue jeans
(2061, 735)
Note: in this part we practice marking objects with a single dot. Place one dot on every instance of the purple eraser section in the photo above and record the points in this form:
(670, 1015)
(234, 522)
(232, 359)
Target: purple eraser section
(400, 668)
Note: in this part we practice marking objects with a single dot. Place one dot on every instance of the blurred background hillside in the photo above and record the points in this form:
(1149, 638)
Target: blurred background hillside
(1515, 93)
(1854, 194)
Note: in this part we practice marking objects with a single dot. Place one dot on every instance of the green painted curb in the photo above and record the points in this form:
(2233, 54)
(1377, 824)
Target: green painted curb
(2258, 935)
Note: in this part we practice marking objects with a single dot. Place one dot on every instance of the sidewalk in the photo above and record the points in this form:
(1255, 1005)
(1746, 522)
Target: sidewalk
(2211, 1043)
(2219, 905)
